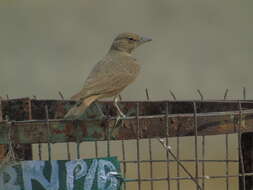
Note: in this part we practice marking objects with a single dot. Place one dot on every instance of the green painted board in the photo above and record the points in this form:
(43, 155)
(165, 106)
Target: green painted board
(83, 174)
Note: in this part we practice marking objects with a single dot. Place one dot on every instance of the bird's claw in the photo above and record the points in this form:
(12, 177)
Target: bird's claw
(119, 118)
(121, 114)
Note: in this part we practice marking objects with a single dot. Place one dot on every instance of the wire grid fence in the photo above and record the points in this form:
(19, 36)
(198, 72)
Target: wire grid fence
(173, 164)
(198, 175)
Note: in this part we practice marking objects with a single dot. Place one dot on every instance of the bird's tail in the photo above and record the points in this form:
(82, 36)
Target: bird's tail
(79, 108)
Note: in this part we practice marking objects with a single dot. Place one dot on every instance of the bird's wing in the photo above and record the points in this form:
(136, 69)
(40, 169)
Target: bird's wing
(112, 74)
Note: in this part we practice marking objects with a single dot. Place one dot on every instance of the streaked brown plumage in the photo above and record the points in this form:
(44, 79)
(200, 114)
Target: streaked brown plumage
(110, 75)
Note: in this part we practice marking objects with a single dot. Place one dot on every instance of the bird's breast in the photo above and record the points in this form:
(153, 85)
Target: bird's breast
(129, 66)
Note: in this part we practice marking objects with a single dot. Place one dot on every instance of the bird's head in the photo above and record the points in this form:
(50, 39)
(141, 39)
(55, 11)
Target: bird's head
(127, 42)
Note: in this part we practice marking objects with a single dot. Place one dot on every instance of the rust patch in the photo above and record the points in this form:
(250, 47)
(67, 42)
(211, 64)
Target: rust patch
(97, 135)
(83, 129)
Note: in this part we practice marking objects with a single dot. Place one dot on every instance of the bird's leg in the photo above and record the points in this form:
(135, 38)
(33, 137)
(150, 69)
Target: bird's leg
(115, 100)
(121, 115)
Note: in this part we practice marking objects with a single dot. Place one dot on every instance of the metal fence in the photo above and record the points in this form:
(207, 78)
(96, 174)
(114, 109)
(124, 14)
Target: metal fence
(151, 171)
(155, 125)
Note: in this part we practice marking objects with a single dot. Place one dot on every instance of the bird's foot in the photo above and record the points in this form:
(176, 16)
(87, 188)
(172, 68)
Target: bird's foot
(119, 119)
(121, 114)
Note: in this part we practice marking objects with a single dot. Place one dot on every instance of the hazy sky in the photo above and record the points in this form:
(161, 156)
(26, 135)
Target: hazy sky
(51, 45)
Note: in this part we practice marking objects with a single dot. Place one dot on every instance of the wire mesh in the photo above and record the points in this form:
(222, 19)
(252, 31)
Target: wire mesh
(158, 173)
(166, 170)
(136, 179)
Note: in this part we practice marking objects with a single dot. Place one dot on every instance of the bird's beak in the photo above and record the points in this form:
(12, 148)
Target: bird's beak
(145, 39)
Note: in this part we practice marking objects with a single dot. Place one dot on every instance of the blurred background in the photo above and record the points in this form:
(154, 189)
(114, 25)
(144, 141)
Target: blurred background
(47, 46)
(51, 45)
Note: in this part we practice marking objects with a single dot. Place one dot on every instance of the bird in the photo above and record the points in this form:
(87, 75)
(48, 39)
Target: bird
(111, 75)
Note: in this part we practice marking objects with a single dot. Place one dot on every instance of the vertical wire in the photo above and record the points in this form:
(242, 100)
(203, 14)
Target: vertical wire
(108, 141)
(178, 169)
(77, 140)
(123, 154)
(150, 151)
(68, 147)
(48, 134)
(78, 150)
(203, 162)
(225, 94)
(29, 109)
(227, 169)
(68, 151)
(167, 142)
(1, 119)
(11, 153)
(124, 161)
(147, 94)
(96, 148)
(173, 95)
(138, 145)
(200, 94)
(240, 146)
(244, 93)
(1, 112)
(178, 149)
(30, 118)
(39, 149)
(196, 142)
(151, 163)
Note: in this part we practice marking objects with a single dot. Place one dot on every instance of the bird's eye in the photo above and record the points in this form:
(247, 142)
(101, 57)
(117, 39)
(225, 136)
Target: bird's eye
(131, 39)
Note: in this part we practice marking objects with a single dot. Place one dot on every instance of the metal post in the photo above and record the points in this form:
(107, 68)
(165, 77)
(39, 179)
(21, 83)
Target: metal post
(241, 164)
(247, 151)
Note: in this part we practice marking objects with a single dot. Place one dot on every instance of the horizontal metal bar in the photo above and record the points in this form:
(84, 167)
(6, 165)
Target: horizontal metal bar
(210, 114)
(17, 109)
(186, 100)
(186, 178)
(64, 131)
(164, 161)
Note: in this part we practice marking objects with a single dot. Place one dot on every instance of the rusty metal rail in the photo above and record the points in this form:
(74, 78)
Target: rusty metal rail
(32, 131)
(219, 117)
